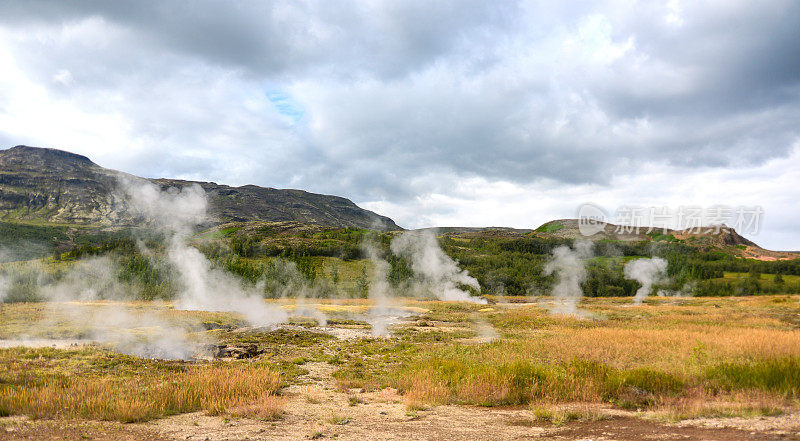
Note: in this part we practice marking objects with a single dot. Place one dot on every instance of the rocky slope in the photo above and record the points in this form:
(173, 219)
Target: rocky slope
(724, 238)
(54, 186)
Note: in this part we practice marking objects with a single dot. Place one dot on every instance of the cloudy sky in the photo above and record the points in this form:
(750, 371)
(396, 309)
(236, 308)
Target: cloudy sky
(463, 112)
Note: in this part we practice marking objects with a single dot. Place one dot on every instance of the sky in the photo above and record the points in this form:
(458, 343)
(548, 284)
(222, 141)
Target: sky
(445, 113)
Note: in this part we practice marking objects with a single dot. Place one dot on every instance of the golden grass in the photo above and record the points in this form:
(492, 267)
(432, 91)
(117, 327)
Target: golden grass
(694, 358)
(559, 415)
(687, 347)
(268, 408)
(664, 338)
(424, 389)
(211, 388)
(313, 394)
(700, 404)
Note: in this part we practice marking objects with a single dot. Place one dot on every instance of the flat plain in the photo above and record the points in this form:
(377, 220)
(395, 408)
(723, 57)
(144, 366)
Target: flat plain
(690, 368)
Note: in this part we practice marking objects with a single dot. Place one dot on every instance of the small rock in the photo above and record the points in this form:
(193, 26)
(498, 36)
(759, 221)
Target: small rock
(247, 350)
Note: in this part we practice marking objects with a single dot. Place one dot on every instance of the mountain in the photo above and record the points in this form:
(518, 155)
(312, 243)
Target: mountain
(723, 238)
(55, 186)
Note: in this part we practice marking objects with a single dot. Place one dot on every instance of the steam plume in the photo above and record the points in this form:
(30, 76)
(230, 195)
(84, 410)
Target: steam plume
(435, 272)
(686, 291)
(204, 287)
(87, 297)
(646, 272)
(567, 264)
(379, 291)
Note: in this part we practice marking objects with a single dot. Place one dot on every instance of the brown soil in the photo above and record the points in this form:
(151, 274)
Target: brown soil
(17, 428)
(759, 253)
(628, 428)
(446, 422)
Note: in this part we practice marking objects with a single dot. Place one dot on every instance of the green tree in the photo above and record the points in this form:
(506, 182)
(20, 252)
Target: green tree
(335, 274)
(362, 284)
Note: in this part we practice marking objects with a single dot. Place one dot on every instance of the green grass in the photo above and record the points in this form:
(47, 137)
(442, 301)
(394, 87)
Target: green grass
(781, 375)
(660, 237)
(464, 378)
(549, 227)
(768, 278)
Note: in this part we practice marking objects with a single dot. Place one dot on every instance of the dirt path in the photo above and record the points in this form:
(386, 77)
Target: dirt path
(315, 409)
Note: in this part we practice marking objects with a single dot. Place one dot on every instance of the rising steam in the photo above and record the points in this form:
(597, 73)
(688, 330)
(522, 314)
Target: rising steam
(204, 287)
(568, 266)
(79, 298)
(686, 291)
(380, 291)
(90, 295)
(646, 272)
(435, 273)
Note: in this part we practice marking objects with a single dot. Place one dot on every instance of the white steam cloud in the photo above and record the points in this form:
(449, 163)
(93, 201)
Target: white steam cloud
(205, 288)
(435, 272)
(686, 291)
(88, 302)
(89, 297)
(5, 284)
(646, 272)
(380, 290)
(87, 280)
(568, 266)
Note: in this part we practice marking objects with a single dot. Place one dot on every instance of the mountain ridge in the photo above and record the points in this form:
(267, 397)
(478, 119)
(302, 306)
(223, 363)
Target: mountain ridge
(720, 237)
(56, 186)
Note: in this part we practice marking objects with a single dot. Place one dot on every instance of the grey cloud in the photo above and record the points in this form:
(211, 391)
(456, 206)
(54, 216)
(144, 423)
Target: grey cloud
(399, 99)
(738, 106)
(286, 38)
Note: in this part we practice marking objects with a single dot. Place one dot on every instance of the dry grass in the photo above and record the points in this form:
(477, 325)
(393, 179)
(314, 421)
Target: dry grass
(687, 346)
(312, 393)
(696, 358)
(559, 415)
(211, 388)
(269, 408)
(424, 389)
(700, 404)
(676, 358)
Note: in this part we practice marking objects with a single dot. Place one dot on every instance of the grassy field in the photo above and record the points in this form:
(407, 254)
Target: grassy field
(768, 279)
(671, 358)
(87, 384)
(683, 359)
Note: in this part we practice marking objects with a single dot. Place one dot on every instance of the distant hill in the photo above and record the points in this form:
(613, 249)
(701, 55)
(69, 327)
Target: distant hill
(724, 238)
(42, 185)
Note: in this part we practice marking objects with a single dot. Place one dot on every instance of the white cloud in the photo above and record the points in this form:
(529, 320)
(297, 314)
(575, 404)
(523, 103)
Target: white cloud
(441, 113)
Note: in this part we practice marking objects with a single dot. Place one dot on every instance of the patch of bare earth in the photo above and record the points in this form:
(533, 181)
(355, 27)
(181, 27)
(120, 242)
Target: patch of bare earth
(784, 426)
(17, 428)
(630, 428)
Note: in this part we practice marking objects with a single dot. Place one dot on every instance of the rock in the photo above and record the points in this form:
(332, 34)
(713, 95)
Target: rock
(238, 351)
(208, 326)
